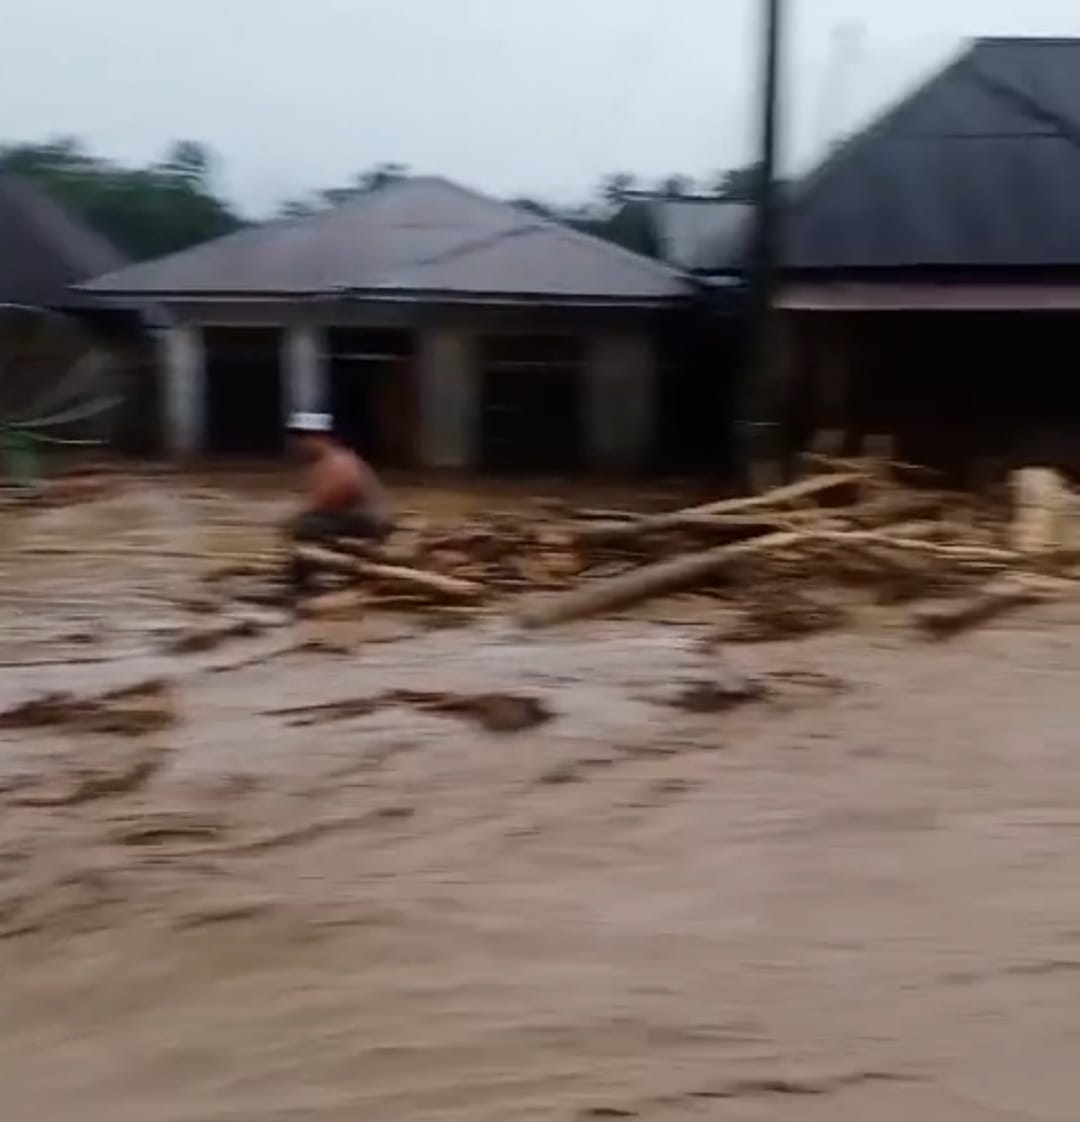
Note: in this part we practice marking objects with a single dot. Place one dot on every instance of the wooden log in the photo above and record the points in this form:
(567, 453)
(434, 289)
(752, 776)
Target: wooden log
(434, 584)
(899, 469)
(1039, 501)
(630, 536)
(896, 506)
(959, 553)
(652, 580)
(729, 526)
(685, 572)
(1006, 592)
(344, 602)
(790, 494)
(601, 515)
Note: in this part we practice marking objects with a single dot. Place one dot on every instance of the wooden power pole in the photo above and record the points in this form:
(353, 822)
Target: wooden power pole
(759, 435)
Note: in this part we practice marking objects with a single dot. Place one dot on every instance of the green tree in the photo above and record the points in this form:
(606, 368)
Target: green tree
(144, 211)
(615, 188)
(675, 186)
(738, 185)
(533, 206)
(381, 175)
(190, 161)
(375, 178)
(299, 208)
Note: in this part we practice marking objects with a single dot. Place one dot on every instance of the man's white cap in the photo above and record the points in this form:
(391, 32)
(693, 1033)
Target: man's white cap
(310, 422)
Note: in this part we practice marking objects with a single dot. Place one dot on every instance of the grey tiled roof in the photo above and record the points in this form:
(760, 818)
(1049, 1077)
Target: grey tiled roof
(416, 238)
(44, 250)
(978, 169)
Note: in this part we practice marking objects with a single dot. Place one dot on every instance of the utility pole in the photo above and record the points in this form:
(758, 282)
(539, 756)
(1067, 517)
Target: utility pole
(759, 400)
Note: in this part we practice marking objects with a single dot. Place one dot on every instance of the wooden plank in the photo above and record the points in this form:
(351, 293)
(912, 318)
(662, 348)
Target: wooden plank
(790, 494)
(687, 571)
(649, 581)
(436, 584)
(1004, 593)
(1040, 498)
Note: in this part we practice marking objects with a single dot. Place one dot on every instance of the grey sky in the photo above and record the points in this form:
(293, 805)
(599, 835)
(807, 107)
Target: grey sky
(512, 96)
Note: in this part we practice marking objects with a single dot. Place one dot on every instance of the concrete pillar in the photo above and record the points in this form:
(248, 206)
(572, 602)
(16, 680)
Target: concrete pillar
(304, 371)
(183, 367)
(620, 401)
(448, 389)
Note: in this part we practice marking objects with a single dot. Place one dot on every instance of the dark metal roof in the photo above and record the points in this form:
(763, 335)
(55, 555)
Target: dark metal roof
(419, 238)
(44, 250)
(701, 235)
(980, 168)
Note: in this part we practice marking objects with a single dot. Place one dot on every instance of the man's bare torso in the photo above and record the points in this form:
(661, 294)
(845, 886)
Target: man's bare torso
(339, 480)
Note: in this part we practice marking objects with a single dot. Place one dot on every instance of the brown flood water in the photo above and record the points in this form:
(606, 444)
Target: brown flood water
(858, 898)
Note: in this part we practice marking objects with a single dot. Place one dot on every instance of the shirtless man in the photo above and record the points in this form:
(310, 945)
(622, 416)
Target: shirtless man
(344, 496)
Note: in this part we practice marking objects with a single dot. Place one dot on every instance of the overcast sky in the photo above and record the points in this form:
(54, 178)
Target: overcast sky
(535, 97)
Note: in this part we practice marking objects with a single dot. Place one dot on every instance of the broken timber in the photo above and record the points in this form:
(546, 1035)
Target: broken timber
(685, 572)
(1007, 591)
(1040, 498)
(398, 576)
(768, 502)
(652, 580)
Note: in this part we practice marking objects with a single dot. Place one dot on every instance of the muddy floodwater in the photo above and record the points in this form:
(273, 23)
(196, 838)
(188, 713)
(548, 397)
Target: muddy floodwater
(308, 894)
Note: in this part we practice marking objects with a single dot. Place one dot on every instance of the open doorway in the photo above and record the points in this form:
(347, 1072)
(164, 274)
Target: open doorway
(531, 394)
(699, 362)
(243, 391)
(372, 392)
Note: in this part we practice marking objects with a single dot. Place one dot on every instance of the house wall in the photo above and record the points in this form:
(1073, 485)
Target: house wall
(968, 393)
(619, 372)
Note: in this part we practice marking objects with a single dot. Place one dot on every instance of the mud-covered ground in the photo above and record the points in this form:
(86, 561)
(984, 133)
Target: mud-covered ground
(857, 897)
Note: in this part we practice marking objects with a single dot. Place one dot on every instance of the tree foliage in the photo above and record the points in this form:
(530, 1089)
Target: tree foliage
(171, 204)
(614, 212)
(145, 211)
(738, 185)
(374, 179)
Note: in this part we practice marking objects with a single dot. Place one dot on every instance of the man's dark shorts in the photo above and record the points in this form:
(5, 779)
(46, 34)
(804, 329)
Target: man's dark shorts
(316, 526)
(319, 525)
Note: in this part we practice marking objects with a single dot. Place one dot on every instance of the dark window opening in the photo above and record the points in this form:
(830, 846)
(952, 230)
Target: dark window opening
(373, 393)
(243, 391)
(531, 390)
(699, 363)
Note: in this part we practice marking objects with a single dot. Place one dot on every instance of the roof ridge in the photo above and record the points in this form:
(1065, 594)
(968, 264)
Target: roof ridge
(1028, 41)
(1027, 103)
(472, 245)
(663, 197)
(540, 222)
(257, 229)
(812, 182)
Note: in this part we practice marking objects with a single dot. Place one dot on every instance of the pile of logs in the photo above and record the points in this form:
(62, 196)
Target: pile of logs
(854, 525)
(425, 563)
(862, 524)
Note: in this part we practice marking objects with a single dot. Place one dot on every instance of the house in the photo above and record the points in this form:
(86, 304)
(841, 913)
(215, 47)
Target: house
(45, 254)
(442, 328)
(931, 281)
(933, 267)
